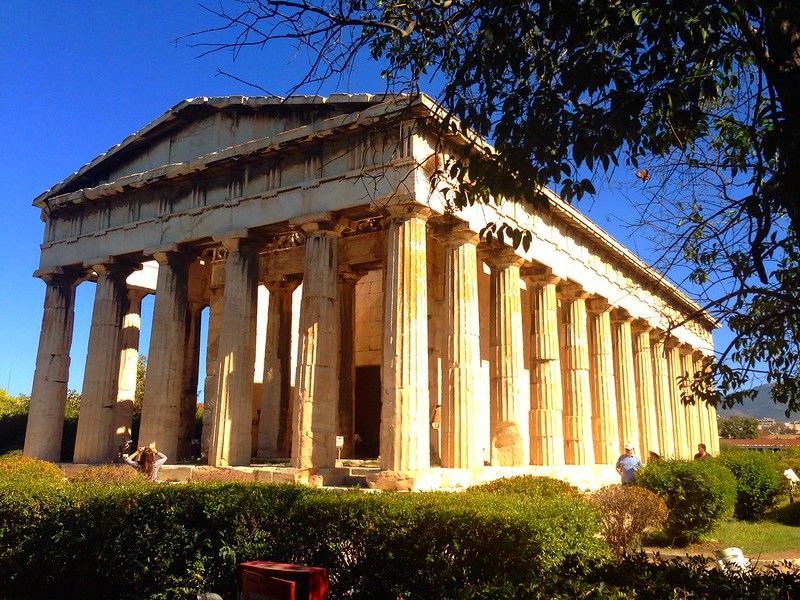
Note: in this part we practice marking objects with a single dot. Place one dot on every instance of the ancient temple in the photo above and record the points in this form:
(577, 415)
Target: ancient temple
(347, 312)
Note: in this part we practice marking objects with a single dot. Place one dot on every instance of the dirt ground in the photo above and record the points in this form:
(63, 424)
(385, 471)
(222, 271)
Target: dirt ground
(709, 549)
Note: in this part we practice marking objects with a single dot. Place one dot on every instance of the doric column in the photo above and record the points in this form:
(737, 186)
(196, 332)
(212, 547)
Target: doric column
(605, 431)
(94, 438)
(461, 448)
(645, 386)
(233, 416)
(405, 427)
(692, 413)
(317, 382)
(625, 378)
(510, 399)
(578, 444)
(682, 447)
(662, 396)
(49, 393)
(162, 388)
(347, 359)
(274, 428)
(547, 402)
(702, 408)
(211, 383)
(129, 365)
(191, 371)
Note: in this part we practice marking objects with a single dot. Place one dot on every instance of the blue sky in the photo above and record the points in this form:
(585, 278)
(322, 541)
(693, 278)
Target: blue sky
(76, 77)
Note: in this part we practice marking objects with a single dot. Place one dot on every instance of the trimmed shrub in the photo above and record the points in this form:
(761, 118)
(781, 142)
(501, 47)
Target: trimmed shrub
(759, 482)
(627, 511)
(167, 541)
(698, 493)
(17, 469)
(105, 474)
(540, 487)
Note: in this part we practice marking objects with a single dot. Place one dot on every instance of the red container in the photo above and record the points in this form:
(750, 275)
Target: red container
(261, 579)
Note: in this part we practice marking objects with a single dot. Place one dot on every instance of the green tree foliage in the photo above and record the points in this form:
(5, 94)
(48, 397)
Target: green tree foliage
(701, 101)
(13, 405)
(138, 395)
(737, 427)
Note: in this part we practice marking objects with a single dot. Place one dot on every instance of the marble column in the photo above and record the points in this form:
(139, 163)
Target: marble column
(665, 412)
(128, 368)
(95, 435)
(645, 389)
(713, 442)
(692, 413)
(211, 383)
(316, 393)
(702, 407)
(510, 390)
(625, 379)
(233, 416)
(682, 447)
(274, 428)
(578, 444)
(460, 447)
(605, 430)
(546, 420)
(49, 393)
(347, 359)
(163, 386)
(191, 371)
(405, 425)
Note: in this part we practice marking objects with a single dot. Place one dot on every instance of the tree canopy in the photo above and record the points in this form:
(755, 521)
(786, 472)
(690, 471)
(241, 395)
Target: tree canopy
(699, 103)
(737, 427)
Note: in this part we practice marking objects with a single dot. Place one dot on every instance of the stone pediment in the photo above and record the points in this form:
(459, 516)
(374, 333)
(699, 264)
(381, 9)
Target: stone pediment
(199, 127)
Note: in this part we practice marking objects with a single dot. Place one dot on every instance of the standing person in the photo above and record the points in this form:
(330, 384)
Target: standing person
(701, 452)
(146, 460)
(628, 464)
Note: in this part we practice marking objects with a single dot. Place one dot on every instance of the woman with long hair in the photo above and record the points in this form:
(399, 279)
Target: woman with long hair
(147, 460)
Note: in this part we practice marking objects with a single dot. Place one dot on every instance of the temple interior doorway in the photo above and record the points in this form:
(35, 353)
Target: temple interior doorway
(368, 412)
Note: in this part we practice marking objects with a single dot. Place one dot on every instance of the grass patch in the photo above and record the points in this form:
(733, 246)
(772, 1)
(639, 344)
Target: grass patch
(778, 533)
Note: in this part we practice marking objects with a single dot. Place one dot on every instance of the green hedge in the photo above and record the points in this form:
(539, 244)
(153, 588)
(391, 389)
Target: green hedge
(759, 482)
(139, 540)
(524, 539)
(698, 493)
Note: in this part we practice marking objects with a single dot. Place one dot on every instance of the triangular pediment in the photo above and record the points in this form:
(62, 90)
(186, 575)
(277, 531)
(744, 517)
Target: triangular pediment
(199, 127)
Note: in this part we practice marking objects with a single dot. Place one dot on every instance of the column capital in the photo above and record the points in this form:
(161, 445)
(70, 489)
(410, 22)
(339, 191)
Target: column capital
(347, 275)
(671, 342)
(686, 349)
(597, 305)
(113, 266)
(321, 222)
(620, 315)
(170, 253)
(281, 284)
(137, 294)
(454, 232)
(641, 326)
(62, 275)
(658, 336)
(499, 257)
(406, 211)
(572, 291)
(539, 275)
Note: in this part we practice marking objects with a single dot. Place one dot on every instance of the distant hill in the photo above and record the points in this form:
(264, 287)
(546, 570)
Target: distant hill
(762, 406)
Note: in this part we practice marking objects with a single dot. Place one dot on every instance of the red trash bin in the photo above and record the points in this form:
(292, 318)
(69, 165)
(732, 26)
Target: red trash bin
(261, 579)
